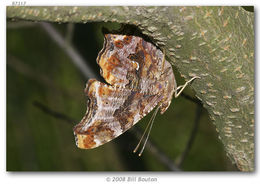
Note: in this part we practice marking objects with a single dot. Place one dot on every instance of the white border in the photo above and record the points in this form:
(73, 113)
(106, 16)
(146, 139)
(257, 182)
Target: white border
(133, 2)
(76, 178)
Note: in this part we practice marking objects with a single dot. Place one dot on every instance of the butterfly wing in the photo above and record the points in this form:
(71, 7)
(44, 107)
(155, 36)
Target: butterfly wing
(111, 111)
(138, 78)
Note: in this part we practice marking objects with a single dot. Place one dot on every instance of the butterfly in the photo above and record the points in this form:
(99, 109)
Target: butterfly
(138, 79)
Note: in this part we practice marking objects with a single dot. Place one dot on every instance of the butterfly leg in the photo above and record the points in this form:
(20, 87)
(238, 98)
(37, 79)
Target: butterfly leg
(163, 61)
(182, 87)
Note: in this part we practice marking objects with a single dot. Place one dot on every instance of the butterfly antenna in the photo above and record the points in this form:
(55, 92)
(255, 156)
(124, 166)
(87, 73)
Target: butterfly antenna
(149, 123)
(137, 146)
(148, 134)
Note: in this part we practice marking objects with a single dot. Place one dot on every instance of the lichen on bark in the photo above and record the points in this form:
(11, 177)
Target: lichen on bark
(215, 43)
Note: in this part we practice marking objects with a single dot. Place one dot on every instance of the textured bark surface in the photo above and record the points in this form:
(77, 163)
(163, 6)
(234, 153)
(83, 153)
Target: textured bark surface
(215, 43)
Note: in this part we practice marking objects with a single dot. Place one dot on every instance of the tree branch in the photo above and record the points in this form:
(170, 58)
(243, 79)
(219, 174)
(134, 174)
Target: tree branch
(215, 43)
(192, 136)
(69, 49)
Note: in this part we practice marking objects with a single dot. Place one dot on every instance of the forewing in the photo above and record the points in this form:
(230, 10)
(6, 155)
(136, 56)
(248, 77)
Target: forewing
(113, 59)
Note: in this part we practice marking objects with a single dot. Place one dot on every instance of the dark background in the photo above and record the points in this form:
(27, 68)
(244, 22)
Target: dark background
(45, 99)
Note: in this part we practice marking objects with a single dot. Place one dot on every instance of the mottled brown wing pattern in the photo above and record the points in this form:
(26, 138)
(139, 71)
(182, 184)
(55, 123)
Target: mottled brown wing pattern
(138, 79)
